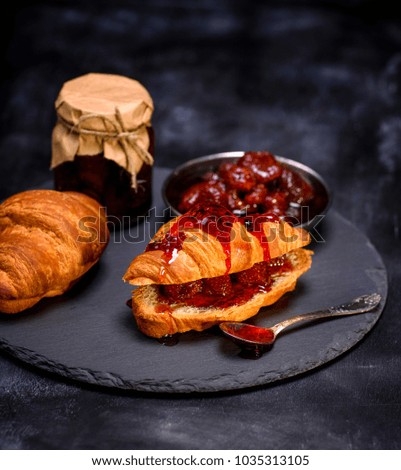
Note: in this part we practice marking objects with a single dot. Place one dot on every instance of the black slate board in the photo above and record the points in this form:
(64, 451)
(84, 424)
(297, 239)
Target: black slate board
(89, 334)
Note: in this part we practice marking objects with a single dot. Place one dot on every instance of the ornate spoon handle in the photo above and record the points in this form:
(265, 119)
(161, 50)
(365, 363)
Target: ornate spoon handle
(362, 304)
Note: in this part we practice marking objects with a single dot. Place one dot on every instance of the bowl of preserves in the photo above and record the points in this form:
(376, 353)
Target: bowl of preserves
(249, 183)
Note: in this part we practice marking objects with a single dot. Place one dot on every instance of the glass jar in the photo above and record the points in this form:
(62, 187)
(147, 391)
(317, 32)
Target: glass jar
(103, 143)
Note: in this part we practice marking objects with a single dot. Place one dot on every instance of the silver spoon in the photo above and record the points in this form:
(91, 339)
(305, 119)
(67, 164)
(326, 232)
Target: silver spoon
(255, 340)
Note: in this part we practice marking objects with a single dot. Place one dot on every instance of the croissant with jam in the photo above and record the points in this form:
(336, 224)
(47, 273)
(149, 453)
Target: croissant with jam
(48, 240)
(209, 266)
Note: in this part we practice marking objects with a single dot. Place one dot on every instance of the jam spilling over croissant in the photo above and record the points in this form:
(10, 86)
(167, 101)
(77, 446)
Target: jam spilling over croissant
(225, 291)
(256, 183)
(210, 265)
(214, 220)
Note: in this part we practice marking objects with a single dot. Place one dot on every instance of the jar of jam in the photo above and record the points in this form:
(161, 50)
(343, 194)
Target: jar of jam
(103, 143)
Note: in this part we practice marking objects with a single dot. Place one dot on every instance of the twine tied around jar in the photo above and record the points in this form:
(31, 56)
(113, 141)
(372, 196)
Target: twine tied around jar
(103, 114)
(127, 139)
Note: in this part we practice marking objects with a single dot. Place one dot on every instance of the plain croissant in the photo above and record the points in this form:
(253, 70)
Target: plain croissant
(189, 255)
(48, 240)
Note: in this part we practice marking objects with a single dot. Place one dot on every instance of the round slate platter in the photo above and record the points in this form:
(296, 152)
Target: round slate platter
(90, 335)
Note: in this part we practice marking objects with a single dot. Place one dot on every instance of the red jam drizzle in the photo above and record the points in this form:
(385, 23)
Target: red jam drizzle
(214, 220)
(217, 221)
(170, 244)
(254, 224)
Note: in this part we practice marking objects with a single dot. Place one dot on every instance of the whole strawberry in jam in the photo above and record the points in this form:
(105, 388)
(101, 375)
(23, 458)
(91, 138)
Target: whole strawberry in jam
(220, 285)
(276, 203)
(298, 189)
(278, 265)
(237, 177)
(234, 201)
(256, 196)
(181, 292)
(256, 275)
(205, 192)
(211, 176)
(256, 183)
(263, 165)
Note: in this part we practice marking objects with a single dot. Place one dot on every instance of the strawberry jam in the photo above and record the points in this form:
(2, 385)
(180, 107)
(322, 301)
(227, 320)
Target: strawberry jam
(170, 245)
(253, 333)
(217, 221)
(225, 291)
(254, 224)
(255, 183)
(214, 220)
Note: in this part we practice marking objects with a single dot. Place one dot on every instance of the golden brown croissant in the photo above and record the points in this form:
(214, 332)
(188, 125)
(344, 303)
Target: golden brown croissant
(209, 266)
(48, 240)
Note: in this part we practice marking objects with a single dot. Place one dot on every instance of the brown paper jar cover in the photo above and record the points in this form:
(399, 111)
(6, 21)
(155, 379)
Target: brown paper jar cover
(103, 142)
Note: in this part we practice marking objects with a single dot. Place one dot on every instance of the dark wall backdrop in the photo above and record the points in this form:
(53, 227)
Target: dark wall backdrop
(317, 81)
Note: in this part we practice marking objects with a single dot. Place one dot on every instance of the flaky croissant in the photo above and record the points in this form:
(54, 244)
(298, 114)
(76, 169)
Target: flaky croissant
(190, 255)
(48, 240)
(202, 255)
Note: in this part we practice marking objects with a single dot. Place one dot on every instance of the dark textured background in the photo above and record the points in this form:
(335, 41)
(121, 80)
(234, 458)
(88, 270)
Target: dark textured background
(319, 82)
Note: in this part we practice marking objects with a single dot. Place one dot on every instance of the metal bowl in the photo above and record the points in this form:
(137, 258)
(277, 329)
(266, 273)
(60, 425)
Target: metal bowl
(192, 171)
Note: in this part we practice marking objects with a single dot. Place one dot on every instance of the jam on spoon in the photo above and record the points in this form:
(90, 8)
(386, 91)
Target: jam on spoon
(255, 340)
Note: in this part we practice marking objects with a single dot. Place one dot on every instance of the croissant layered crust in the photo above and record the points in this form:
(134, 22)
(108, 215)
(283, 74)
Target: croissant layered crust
(203, 256)
(209, 266)
(48, 240)
(156, 319)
